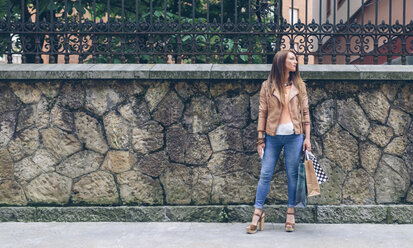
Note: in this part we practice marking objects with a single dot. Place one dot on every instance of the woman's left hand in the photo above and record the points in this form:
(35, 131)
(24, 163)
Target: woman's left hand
(307, 144)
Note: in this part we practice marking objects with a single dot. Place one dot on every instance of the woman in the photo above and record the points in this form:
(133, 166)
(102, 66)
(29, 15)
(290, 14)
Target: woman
(283, 117)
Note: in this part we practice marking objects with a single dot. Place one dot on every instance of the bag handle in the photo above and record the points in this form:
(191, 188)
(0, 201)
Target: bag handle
(309, 154)
(304, 155)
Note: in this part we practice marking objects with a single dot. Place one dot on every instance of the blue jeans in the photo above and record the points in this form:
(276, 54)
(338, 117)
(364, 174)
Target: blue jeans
(293, 146)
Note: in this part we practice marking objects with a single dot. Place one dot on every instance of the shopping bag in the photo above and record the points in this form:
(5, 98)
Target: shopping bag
(313, 188)
(301, 192)
(319, 171)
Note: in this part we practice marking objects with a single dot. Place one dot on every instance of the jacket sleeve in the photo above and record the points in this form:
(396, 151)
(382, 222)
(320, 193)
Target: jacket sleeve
(263, 109)
(306, 109)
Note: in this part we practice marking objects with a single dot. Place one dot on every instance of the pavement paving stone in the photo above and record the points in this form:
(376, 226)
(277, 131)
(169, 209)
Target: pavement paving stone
(195, 234)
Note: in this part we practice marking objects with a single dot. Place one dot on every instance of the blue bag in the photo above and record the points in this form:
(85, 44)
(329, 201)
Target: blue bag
(301, 193)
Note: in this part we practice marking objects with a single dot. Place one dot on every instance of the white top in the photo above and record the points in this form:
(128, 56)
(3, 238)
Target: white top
(285, 129)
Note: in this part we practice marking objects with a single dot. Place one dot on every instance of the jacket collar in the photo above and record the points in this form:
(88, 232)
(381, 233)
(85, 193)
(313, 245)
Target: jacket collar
(293, 92)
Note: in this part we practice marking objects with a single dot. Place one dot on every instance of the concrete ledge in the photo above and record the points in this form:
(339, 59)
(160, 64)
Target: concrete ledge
(199, 71)
(233, 213)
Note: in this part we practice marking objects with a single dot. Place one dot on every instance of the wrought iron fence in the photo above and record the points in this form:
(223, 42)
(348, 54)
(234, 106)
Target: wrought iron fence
(203, 31)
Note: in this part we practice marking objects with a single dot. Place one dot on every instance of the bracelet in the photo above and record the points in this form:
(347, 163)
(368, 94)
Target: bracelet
(260, 141)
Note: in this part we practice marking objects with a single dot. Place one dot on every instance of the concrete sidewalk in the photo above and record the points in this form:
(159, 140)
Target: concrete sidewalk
(198, 235)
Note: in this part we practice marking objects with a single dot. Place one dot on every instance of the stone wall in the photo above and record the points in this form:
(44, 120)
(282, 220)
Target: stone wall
(185, 135)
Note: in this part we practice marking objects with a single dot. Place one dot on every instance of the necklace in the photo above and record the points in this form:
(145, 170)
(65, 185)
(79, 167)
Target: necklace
(288, 84)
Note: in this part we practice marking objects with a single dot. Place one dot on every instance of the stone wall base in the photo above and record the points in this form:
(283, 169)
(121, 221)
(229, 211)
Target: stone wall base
(382, 214)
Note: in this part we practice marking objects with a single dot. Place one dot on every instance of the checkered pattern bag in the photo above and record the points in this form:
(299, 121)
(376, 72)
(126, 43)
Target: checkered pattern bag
(319, 171)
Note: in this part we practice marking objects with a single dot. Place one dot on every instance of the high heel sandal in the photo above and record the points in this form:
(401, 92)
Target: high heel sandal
(289, 227)
(251, 228)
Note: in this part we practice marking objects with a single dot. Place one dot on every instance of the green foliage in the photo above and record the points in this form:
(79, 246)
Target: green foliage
(220, 47)
(223, 215)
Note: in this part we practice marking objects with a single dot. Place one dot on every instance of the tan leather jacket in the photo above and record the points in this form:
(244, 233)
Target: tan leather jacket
(270, 110)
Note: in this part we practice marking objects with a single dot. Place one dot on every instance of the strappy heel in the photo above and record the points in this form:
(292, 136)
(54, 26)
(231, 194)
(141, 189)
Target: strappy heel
(289, 227)
(251, 228)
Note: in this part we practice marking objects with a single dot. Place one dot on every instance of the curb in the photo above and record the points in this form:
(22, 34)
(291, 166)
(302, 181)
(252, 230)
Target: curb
(331, 214)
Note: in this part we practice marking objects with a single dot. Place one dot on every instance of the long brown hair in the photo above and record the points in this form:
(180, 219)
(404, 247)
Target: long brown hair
(277, 72)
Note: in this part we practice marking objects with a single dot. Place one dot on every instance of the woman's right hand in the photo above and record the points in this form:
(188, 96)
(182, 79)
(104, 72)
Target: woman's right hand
(260, 149)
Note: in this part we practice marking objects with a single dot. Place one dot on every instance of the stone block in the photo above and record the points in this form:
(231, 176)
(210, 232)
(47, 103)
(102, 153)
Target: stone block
(176, 181)
(6, 165)
(180, 71)
(352, 214)
(139, 114)
(329, 214)
(384, 72)
(392, 180)
(11, 193)
(145, 214)
(137, 189)
(27, 117)
(72, 95)
(226, 162)
(49, 88)
(399, 121)
(233, 111)
(97, 188)
(249, 138)
(60, 143)
(62, 118)
(341, 148)
(324, 116)
(90, 132)
(225, 138)
(193, 213)
(80, 163)
(27, 93)
(101, 97)
(119, 71)
(397, 146)
(30, 167)
(369, 156)
(153, 164)
(118, 161)
(240, 71)
(254, 106)
(380, 135)
(148, 137)
(242, 213)
(404, 99)
(358, 188)
(201, 115)
(316, 94)
(234, 188)
(117, 131)
(8, 100)
(305, 215)
(201, 186)
(364, 214)
(17, 214)
(24, 144)
(169, 111)
(337, 72)
(81, 214)
(401, 214)
(352, 118)
(49, 188)
(155, 94)
(185, 147)
(187, 89)
(375, 105)
(274, 213)
(222, 87)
